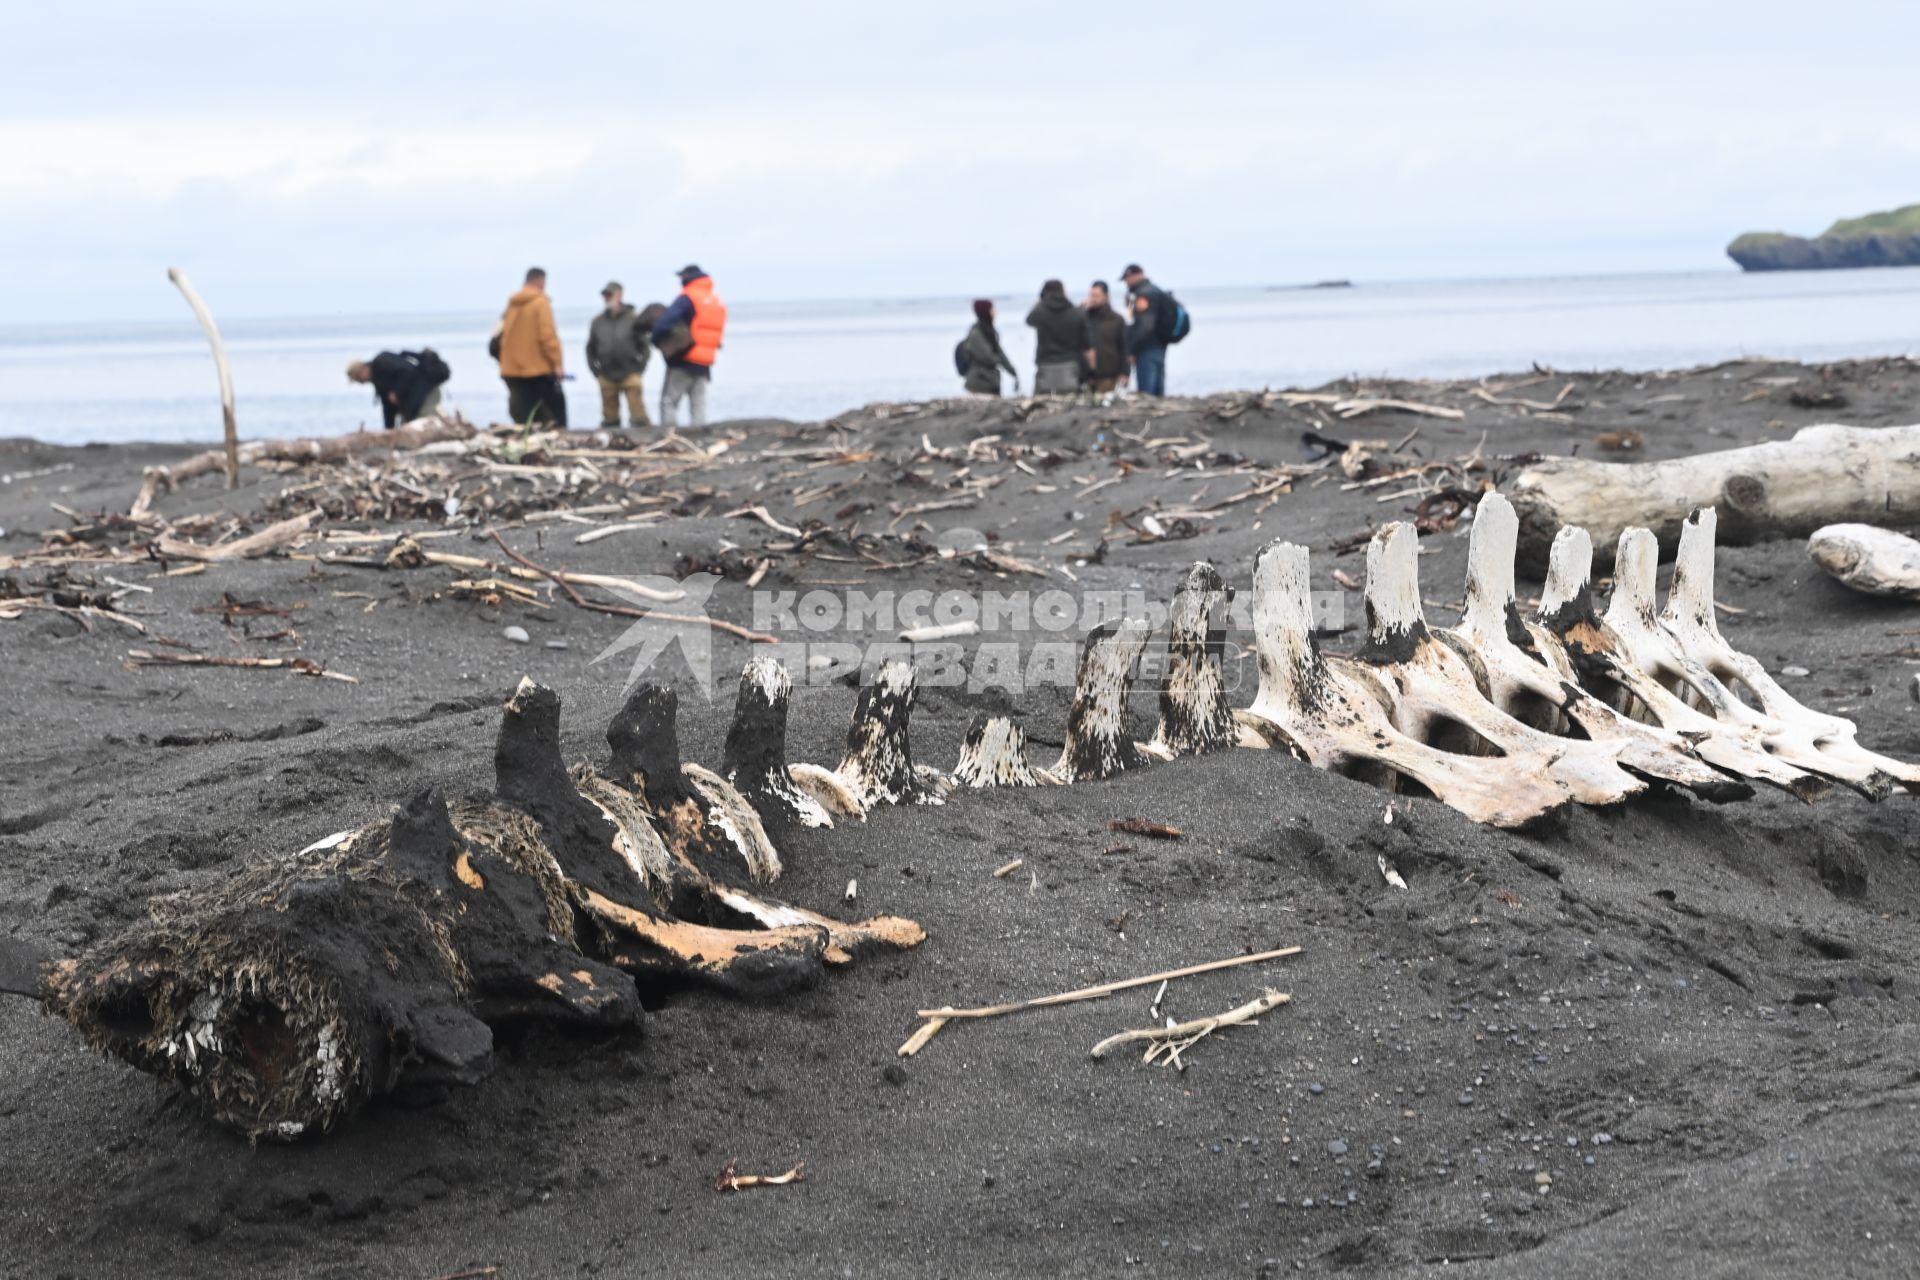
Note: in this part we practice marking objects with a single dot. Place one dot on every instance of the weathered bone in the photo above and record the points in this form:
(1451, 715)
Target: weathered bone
(1871, 560)
(756, 752)
(1434, 692)
(878, 767)
(292, 993)
(1782, 488)
(995, 755)
(1577, 637)
(1662, 654)
(1520, 672)
(1336, 717)
(1689, 617)
(1194, 715)
(699, 815)
(1098, 744)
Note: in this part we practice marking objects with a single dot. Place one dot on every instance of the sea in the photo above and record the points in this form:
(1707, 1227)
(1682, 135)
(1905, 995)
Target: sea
(805, 361)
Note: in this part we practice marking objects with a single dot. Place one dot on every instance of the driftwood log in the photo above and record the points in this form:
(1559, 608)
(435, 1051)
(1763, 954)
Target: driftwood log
(288, 996)
(1871, 560)
(1786, 488)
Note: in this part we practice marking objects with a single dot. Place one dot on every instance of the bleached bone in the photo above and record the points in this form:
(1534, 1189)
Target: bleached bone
(878, 767)
(1871, 560)
(1520, 673)
(825, 785)
(1336, 717)
(1689, 617)
(756, 750)
(1434, 693)
(1098, 744)
(1194, 715)
(1606, 666)
(699, 814)
(995, 755)
(1784, 488)
(1663, 655)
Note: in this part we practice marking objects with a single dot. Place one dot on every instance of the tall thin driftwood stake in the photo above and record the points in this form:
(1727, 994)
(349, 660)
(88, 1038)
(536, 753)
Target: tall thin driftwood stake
(205, 317)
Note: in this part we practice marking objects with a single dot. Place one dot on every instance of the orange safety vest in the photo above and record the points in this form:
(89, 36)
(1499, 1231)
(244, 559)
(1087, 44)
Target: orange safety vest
(709, 321)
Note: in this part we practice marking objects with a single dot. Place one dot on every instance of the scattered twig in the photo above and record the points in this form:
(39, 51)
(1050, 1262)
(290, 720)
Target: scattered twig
(1172, 1041)
(1001, 873)
(729, 1180)
(1142, 827)
(561, 580)
(938, 1018)
(297, 666)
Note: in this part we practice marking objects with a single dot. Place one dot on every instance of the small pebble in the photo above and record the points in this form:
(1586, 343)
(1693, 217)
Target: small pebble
(1795, 671)
(556, 644)
(1316, 1087)
(1336, 1148)
(1465, 1099)
(1543, 1179)
(1602, 1139)
(517, 634)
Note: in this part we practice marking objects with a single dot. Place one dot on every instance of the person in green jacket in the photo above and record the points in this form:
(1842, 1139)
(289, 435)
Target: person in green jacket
(985, 359)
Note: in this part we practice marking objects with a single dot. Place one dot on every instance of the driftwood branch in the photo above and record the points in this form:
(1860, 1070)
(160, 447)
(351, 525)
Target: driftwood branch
(565, 582)
(212, 331)
(1874, 561)
(1787, 488)
(1179, 1037)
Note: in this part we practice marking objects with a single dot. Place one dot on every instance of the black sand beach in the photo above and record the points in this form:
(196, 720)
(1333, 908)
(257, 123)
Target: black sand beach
(1667, 1039)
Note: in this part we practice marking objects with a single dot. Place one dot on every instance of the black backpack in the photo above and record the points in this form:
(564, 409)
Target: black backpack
(433, 369)
(962, 362)
(1173, 323)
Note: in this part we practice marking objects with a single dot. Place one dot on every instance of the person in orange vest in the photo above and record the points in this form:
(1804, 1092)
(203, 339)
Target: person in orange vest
(689, 336)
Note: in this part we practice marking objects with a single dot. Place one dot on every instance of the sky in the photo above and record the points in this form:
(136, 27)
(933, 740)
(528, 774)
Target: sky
(377, 158)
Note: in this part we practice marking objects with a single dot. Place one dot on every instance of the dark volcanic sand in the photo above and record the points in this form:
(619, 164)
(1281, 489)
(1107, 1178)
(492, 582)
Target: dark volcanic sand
(1726, 994)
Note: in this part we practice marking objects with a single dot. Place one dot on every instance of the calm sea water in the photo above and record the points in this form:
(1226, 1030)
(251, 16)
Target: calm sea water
(118, 382)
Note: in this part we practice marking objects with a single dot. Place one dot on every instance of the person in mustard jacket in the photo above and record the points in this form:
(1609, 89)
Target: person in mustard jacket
(689, 335)
(531, 362)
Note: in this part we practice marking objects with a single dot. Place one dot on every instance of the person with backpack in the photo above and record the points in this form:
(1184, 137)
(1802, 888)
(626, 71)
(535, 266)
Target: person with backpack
(531, 362)
(1064, 345)
(1107, 369)
(979, 357)
(405, 383)
(1158, 322)
(689, 334)
(617, 351)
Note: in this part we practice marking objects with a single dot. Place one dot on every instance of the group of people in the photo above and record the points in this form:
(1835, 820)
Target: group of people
(688, 333)
(1088, 345)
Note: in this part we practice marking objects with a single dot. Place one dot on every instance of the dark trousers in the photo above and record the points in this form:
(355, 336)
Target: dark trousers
(1150, 371)
(538, 399)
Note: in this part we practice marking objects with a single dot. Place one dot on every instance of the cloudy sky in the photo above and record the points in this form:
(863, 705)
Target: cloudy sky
(373, 158)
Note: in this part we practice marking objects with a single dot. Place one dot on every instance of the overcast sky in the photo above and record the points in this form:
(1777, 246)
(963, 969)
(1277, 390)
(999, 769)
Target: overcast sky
(365, 158)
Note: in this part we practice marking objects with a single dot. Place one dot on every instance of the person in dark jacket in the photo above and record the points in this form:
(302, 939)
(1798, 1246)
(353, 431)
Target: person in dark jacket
(985, 359)
(617, 351)
(1064, 342)
(1148, 354)
(405, 391)
(1107, 369)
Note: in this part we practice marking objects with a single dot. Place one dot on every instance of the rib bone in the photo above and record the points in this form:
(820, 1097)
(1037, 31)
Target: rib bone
(1689, 616)
(1606, 666)
(1518, 669)
(1662, 654)
(1433, 689)
(1336, 717)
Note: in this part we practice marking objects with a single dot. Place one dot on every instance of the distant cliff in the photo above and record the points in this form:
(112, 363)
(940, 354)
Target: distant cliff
(1878, 240)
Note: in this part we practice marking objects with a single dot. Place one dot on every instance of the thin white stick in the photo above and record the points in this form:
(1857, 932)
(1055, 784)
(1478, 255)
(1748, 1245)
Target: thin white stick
(212, 331)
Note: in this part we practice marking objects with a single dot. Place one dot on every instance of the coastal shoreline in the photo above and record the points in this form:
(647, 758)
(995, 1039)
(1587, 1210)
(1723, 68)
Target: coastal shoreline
(1696, 1020)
